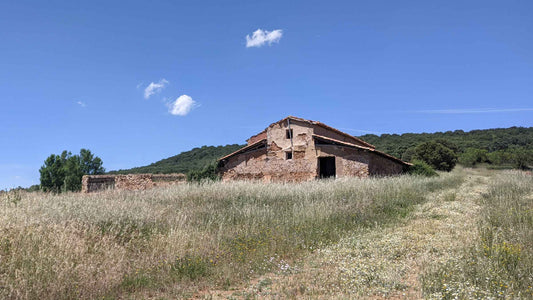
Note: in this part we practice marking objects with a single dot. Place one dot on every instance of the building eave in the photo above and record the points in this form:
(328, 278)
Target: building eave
(244, 149)
(350, 145)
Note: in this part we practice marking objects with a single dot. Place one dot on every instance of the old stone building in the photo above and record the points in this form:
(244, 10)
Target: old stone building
(295, 149)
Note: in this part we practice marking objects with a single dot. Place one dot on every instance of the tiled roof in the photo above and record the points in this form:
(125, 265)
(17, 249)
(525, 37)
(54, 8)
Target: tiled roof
(245, 148)
(341, 143)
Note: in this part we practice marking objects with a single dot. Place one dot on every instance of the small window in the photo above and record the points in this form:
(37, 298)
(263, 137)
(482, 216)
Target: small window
(288, 155)
(288, 134)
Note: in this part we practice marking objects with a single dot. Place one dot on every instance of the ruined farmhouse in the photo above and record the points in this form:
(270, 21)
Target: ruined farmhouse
(295, 149)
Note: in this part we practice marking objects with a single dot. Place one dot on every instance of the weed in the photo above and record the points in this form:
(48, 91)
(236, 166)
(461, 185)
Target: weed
(190, 267)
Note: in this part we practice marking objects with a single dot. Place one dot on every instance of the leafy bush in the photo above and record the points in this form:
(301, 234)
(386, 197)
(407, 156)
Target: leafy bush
(421, 168)
(473, 156)
(437, 155)
(209, 172)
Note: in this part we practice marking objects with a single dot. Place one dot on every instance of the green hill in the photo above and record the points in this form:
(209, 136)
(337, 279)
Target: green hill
(492, 140)
(194, 159)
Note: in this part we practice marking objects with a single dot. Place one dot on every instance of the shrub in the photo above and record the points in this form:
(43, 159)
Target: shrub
(209, 172)
(421, 168)
(473, 156)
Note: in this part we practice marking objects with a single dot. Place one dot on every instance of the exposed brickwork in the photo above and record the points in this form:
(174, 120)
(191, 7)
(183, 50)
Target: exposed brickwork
(94, 183)
(353, 157)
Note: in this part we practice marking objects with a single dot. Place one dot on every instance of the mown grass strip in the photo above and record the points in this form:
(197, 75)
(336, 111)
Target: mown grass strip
(500, 264)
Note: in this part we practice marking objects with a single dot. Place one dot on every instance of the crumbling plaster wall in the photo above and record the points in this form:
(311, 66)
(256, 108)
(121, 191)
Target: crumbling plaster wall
(270, 164)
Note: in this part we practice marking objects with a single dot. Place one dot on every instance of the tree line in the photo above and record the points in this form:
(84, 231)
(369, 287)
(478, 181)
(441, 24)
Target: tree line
(502, 147)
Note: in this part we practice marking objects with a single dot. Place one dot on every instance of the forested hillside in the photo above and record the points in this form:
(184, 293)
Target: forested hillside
(184, 162)
(499, 142)
(491, 140)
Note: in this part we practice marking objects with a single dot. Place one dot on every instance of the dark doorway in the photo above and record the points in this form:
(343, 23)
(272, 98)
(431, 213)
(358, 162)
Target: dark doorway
(326, 167)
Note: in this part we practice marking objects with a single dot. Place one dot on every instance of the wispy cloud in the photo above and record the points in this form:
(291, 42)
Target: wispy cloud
(359, 130)
(261, 37)
(82, 104)
(153, 88)
(182, 106)
(472, 110)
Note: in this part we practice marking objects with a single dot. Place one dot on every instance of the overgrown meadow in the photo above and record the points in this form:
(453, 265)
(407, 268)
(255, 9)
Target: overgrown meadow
(176, 241)
(499, 263)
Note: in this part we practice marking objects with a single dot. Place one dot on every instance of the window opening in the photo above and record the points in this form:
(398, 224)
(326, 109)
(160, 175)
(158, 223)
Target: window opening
(288, 134)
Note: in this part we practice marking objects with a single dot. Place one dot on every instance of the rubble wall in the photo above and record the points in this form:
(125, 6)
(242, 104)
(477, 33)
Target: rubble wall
(259, 166)
(95, 183)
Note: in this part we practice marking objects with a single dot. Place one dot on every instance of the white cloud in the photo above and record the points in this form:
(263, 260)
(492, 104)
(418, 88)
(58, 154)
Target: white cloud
(82, 104)
(153, 88)
(261, 37)
(182, 106)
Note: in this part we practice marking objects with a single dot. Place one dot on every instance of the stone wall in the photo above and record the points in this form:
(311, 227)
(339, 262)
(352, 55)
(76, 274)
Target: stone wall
(271, 164)
(274, 163)
(95, 183)
(349, 162)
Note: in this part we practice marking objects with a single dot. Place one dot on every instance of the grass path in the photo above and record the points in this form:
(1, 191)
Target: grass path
(382, 262)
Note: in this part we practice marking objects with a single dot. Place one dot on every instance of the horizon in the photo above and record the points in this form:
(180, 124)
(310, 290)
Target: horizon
(136, 84)
(358, 136)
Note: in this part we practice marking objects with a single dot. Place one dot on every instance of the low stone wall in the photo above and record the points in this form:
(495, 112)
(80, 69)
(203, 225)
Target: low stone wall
(95, 183)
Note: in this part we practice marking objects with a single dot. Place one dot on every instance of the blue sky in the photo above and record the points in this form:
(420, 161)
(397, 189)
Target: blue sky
(74, 74)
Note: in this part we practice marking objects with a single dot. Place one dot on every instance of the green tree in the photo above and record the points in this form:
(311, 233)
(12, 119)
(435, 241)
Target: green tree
(520, 157)
(52, 174)
(89, 164)
(473, 156)
(409, 154)
(64, 172)
(436, 155)
(73, 174)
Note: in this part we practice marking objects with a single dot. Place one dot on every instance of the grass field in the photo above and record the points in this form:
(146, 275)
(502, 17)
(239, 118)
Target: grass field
(347, 238)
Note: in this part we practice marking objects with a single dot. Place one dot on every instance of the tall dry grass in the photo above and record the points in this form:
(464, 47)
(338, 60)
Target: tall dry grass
(184, 238)
(499, 264)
